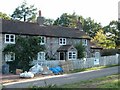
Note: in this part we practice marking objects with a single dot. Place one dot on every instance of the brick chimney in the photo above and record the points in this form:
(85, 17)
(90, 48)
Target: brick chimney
(79, 25)
(40, 19)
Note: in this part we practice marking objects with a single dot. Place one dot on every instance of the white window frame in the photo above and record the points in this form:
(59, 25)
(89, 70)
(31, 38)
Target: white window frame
(9, 56)
(62, 41)
(84, 42)
(42, 40)
(41, 56)
(9, 38)
(73, 55)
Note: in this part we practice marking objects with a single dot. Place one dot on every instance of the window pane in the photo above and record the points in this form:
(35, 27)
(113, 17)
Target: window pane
(11, 40)
(70, 55)
(7, 36)
(74, 56)
(11, 36)
(7, 39)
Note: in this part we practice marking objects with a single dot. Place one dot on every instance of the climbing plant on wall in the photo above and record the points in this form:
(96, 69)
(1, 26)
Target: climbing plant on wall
(25, 49)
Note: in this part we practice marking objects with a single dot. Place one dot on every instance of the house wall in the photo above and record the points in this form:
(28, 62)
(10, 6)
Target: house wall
(52, 45)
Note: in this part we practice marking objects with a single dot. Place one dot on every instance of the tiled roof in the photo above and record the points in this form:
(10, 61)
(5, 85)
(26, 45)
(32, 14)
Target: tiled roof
(65, 48)
(25, 28)
(94, 46)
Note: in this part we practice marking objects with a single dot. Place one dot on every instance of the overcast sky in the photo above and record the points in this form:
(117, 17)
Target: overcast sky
(102, 11)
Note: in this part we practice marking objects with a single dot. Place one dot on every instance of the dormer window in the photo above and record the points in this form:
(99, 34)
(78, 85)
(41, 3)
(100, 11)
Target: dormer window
(84, 42)
(62, 41)
(10, 38)
(42, 40)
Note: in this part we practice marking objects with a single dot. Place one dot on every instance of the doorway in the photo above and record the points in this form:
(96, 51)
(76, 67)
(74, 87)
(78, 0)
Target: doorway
(62, 56)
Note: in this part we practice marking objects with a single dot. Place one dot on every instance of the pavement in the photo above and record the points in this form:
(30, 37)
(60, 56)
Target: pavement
(63, 79)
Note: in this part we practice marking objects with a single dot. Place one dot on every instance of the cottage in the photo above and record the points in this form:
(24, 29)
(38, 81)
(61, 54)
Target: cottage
(59, 41)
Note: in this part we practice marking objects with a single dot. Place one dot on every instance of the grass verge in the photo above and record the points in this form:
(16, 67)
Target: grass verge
(111, 81)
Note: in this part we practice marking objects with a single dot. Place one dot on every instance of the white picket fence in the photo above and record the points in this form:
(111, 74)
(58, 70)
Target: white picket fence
(83, 63)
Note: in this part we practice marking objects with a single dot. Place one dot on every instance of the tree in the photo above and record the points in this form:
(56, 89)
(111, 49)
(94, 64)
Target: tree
(113, 32)
(70, 20)
(49, 22)
(25, 50)
(25, 13)
(4, 16)
(81, 49)
(101, 40)
(91, 27)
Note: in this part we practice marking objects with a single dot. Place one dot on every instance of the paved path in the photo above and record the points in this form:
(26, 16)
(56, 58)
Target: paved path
(64, 79)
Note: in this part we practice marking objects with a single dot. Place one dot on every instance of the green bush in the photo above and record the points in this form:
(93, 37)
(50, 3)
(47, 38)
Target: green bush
(81, 49)
(26, 50)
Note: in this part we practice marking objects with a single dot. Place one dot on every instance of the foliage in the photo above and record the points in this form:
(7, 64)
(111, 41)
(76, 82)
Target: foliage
(112, 32)
(25, 49)
(49, 22)
(80, 48)
(70, 20)
(4, 16)
(101, 40)
(91, 27)
(24, 12)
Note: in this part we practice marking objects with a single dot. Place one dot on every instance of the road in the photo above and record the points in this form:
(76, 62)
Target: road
(65, 79)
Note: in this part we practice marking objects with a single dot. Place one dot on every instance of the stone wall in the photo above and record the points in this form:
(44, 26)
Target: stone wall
(52, 45)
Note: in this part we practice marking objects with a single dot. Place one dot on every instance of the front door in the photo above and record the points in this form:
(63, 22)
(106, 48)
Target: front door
(62, 55)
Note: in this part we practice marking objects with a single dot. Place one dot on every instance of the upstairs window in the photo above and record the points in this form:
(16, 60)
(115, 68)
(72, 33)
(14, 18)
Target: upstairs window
(10, 38)
(10, 56)
(84, 42)
(42, 40)
(41, 56)
(62, 41)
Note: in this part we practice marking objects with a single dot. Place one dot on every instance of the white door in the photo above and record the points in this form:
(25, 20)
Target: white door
(97, 57)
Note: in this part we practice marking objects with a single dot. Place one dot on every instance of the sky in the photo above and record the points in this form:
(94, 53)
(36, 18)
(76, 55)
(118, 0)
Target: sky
(102, 11)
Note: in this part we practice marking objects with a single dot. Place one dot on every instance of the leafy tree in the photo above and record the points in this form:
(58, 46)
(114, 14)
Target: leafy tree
(113, 32)
(101, 40)
(81, 49)
(49, 22)
(24, 12)
(63, 20)
(25, 50)
(91, 27)
(67, 20)
(4, 16)
(70, 20)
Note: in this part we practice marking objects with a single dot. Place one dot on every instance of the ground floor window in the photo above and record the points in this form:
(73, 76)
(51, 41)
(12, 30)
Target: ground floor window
(41, 56)
(10, 56)
(72, 55)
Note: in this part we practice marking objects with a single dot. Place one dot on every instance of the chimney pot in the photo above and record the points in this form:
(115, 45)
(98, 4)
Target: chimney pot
(40, 19)
(39, 13)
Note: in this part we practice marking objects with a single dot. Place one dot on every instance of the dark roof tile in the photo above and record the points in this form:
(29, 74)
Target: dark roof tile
(25, 28)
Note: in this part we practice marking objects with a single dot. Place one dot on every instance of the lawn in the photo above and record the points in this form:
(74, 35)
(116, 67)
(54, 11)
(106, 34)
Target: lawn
(104, 82)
